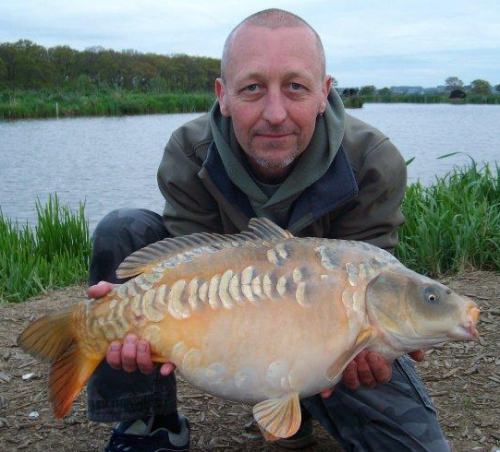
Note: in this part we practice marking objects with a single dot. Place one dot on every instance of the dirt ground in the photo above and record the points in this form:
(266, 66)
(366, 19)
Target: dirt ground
(462, 378)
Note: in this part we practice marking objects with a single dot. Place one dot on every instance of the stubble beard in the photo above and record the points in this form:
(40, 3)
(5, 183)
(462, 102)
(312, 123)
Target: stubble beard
(274, 164)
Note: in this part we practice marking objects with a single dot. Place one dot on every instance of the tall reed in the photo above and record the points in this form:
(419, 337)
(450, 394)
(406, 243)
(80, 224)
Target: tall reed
(55, 253)
(453, 225)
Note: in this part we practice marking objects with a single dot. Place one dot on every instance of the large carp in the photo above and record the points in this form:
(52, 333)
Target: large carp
(261, 317)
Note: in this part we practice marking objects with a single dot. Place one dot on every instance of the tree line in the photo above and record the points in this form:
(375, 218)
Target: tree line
(478, 86)
(27, 65)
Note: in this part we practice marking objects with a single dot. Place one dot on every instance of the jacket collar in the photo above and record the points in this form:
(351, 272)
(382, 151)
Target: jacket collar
(337, 186)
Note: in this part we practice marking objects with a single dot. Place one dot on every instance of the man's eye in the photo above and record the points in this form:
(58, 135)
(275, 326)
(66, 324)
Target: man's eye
(252, 88)
(296, 86)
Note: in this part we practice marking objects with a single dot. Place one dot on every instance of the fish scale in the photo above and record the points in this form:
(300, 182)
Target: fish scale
(260, 317)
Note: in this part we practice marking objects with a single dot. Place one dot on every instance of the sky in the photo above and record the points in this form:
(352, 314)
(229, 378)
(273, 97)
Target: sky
(370, 42)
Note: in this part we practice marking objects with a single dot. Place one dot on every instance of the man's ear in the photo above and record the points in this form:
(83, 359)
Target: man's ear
(220, 92)
(327, 86)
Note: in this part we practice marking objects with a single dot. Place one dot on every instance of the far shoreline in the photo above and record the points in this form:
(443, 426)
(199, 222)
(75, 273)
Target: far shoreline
(25, 104)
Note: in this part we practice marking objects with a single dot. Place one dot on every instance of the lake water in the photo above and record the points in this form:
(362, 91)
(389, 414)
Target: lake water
(112, 162)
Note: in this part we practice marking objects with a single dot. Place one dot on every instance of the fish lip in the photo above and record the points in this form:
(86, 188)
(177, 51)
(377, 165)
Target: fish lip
(472, 320)
(466, 331)
(474, 312)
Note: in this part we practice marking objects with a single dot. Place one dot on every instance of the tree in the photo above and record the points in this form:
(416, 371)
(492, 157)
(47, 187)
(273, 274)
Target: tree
(3, 72)
(481, 87)
(63, 60)
(385, 91)
(27, 63)
(497, 88)
(453, 83)
(84, 84)
(368, 90)
(24, 64)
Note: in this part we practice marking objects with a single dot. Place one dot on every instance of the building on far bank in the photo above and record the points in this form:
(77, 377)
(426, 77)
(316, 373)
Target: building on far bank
(407, 89)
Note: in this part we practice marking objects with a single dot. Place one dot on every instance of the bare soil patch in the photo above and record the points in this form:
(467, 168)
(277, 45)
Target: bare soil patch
(462, 378)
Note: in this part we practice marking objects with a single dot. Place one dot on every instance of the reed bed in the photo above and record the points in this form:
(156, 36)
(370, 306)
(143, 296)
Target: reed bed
(46, 104)
(451, 226)
(55, 253)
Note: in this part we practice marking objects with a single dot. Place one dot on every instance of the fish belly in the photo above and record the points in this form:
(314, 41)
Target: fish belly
(256, 353)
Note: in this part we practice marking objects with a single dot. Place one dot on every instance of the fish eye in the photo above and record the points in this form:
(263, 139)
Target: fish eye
(431, 296)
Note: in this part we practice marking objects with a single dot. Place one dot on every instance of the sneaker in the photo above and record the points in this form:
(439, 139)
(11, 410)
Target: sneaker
(302, 439)
(136, 436)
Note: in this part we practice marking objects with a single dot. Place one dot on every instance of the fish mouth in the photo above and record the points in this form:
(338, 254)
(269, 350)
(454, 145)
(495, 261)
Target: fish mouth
(468, 329)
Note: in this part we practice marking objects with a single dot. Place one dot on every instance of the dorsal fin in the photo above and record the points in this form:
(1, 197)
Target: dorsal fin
(259, 229)
(266, 229)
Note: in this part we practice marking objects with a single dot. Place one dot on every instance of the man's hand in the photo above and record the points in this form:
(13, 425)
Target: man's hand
(417, 355)
(368, 369)
(100, 289)
(133, 353)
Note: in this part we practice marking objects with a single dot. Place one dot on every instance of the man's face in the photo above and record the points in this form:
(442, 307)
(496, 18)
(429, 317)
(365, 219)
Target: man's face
(273, 92)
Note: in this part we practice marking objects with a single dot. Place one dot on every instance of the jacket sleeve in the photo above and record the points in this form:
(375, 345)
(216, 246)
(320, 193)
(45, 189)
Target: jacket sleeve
(375, 215)
(189, 207)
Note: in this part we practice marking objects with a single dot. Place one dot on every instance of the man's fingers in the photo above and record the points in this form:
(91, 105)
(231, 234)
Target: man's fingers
(129, 353)
(380, 369)
(114, 355)
(417, 355)
(365, 374)
(326, 393)
(100, 289)
(167, 369)
(350, 376)
(144, 362)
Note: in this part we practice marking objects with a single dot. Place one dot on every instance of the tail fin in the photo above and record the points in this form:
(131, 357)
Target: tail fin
(51, 339)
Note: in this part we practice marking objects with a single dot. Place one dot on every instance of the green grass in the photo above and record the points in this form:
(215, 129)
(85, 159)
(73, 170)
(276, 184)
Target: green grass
(53, 254)
(451, 226)
(43, 104)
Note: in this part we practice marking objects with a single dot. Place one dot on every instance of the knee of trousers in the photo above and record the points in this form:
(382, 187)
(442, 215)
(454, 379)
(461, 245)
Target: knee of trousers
(115, 221)
(119, 234)
(129, 224)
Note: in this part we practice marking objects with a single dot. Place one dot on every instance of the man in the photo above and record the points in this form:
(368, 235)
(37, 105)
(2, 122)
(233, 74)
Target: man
(276, 144)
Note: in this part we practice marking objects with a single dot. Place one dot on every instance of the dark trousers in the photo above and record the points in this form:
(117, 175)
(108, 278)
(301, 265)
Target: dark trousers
(397, 416)
(115, 395)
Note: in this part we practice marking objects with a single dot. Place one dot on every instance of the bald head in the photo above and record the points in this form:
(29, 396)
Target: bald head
(270, 18)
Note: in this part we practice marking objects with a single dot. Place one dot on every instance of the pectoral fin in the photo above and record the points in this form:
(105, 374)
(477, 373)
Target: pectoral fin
(278, 418)
(364, 337)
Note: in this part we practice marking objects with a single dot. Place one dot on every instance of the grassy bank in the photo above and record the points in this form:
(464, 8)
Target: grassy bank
(47, 104)
(22, 104)
(53, 254)
(451, 226)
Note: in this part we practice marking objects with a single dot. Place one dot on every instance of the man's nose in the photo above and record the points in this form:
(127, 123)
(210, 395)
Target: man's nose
(275, 108)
